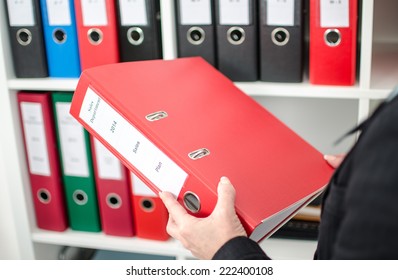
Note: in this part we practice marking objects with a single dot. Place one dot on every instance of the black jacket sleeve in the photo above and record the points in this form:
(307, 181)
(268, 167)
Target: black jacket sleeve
(240, 248)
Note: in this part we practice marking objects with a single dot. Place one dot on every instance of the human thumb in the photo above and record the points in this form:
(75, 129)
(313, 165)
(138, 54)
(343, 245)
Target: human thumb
(226, 197)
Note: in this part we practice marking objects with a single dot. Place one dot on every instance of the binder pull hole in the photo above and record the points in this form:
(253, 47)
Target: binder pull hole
(332, 37)
(191, 202)
(80, 197)
(199, 153)
(236, 35)
(113, 200)
(135, 36)
(147, 205)
(24, 37)
(156, 116)
(280, 36)
(95, 36)
(44, 196)
(59, 36)
(195, 35)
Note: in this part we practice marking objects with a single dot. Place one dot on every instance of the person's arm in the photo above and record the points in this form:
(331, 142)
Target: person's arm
(219, 236)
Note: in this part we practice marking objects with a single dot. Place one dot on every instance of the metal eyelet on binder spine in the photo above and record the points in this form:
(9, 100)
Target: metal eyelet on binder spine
(95, 36)
(191, 202)
(24, 36)
(44, 196)
(332, 37)
(147, 204)
(280, 36)
(236, 35)
(156, 116)
(196, 35)
(59, 36)
(135, 36)
(199, 153)
(113, 200)
(80, 197)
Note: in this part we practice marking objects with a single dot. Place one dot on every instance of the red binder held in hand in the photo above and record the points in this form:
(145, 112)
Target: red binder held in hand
(180, 125)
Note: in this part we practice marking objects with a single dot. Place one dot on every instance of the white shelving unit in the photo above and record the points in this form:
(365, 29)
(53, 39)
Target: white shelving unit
(320, 114)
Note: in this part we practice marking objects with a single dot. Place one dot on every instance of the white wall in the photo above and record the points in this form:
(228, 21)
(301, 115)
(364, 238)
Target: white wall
(8, 237)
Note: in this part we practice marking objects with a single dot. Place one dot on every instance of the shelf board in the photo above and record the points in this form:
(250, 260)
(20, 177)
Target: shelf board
(275, 247)
(251, 88)
(106, 242)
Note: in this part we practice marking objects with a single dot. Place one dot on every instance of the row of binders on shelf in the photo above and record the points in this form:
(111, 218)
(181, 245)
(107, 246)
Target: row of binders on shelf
(247, 40)
(76, 182)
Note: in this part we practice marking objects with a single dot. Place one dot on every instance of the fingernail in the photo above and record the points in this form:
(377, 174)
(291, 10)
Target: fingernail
(224, 180)
(329, 157)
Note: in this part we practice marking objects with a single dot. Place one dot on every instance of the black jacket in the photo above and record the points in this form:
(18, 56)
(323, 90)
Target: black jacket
(360, 206)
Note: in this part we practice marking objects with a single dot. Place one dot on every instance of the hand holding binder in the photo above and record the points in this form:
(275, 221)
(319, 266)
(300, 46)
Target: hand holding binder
(161, 133)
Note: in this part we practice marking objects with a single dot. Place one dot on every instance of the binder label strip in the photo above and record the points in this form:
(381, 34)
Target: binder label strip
(131, 144)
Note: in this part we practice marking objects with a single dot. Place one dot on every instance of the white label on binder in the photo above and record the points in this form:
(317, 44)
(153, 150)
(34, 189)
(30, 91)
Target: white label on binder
(131, 144)
(94, 13)
(35, 138)
(109, 166)
(58, 12)
(335, 13)
(195, 12)
(234, 12)
(73, 146)
(139, 187)
(280, 12)
(20, 13)
(133, 12)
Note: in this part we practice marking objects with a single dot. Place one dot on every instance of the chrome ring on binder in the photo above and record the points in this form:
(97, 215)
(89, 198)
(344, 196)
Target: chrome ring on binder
(59, 36)
(24, 36)
(95, 36)
(196, 35)
(80, 197)
(113, 200)
(191, 202)
(236, 35)
(332, 37)
(44, 196)
(280, 36)
(147, 204)
(135, 36)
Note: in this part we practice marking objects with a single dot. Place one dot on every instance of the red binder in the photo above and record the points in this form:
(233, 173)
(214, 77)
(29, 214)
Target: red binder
(97, 32)
(150, 214)
(333, 42)
(113, 191)
(180, 125)
(43, 162)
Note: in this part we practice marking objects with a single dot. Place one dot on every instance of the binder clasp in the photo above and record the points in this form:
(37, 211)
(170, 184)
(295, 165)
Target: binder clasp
(199, 153)
(156, 116)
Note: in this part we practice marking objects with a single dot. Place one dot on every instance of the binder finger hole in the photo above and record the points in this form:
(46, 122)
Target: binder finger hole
(280, 36)
(95, 36)
(135, 36)
(80, 197)
(44, 196)
(114, 201)
(195, 35)
(147, 204)
(332, 37)
(191, 202)
(24, 37)
(236, 35)
(199, 153)
(59, 36)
